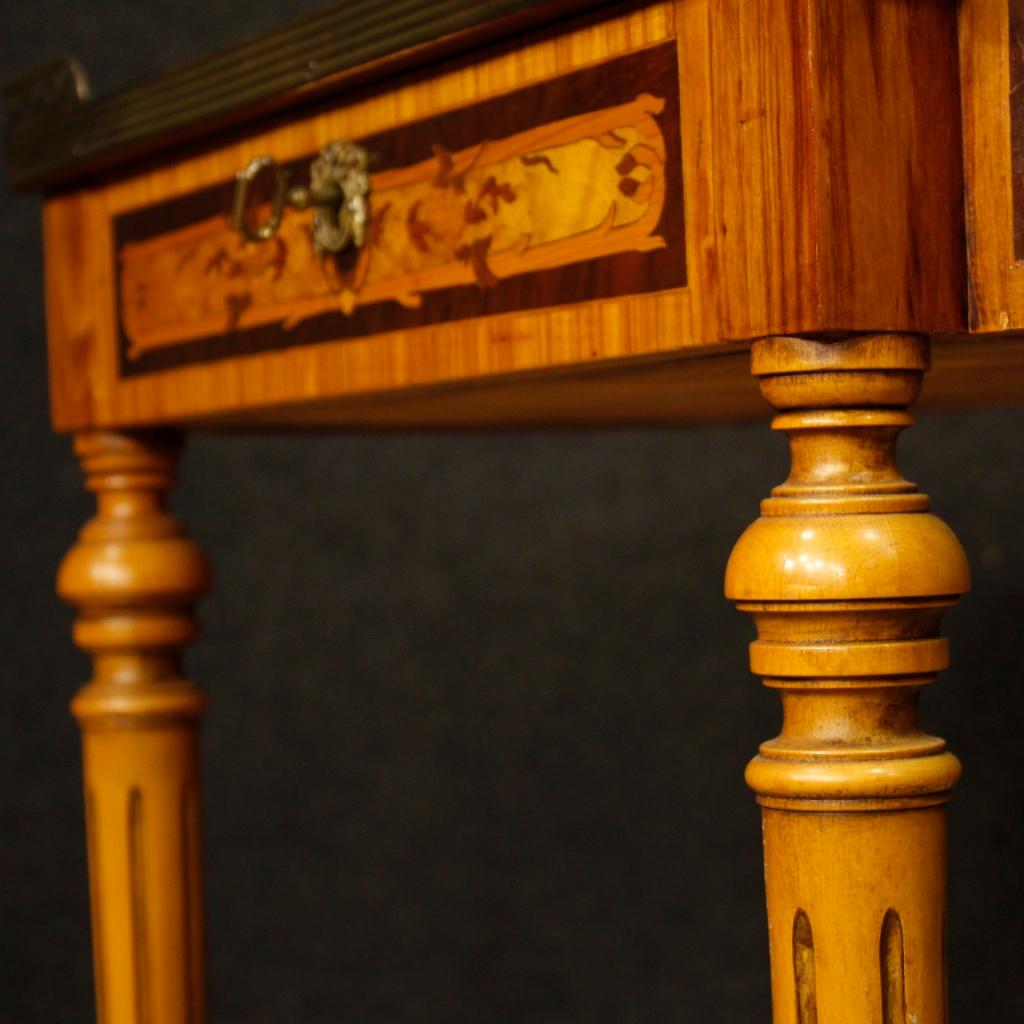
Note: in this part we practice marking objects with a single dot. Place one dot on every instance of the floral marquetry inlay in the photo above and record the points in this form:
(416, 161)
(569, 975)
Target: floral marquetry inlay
(581, 188)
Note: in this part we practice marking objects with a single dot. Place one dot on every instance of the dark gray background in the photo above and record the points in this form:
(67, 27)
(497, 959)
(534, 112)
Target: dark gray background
(479, 709)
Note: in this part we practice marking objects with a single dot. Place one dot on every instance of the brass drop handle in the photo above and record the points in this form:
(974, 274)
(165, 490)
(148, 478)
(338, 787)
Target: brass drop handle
(339, 192)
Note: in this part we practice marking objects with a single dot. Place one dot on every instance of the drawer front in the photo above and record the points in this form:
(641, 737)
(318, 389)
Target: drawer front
(566, 190)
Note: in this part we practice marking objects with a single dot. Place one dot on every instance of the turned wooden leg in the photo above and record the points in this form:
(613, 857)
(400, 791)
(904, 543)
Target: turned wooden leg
(847, 576)
(133, 576)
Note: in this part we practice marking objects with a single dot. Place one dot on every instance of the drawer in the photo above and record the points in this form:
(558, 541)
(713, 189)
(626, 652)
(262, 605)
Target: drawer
(621, 190)
(564, 190)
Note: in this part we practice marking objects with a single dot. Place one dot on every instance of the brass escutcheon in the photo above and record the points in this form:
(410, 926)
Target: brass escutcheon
(339, 190)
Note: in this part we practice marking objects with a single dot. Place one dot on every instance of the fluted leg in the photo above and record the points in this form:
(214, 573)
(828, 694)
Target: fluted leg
(847, 575)
(133, 575)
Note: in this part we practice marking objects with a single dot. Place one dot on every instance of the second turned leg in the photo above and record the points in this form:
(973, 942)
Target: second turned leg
(133, 576)
(847, 575)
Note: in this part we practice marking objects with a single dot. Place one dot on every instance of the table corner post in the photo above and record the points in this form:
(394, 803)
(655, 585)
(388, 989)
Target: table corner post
(847, 575)
(133, 576)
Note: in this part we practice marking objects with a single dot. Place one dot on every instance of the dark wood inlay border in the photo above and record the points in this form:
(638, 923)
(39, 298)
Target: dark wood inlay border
(653, 72)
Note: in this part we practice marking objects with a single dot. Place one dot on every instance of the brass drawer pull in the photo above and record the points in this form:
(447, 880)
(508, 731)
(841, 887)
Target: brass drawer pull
(339, 190)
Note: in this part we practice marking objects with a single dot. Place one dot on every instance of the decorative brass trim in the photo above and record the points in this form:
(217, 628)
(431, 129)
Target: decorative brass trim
(58, 86)
(50, 144)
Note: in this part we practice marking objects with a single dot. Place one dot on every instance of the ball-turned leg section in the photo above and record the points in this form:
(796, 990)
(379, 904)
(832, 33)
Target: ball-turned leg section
(133, 575)
(847, 576)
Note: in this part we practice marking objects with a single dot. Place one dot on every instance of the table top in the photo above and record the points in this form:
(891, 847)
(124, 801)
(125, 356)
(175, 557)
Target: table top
(59, 133)
(574, 216)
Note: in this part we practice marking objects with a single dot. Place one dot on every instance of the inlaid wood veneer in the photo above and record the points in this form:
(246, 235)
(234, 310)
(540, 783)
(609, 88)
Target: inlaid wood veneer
(726, 170)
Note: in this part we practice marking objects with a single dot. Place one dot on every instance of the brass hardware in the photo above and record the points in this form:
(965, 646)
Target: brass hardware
(339, 190)
(243, 184)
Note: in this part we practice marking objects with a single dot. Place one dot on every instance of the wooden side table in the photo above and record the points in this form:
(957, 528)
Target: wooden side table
(513, 213)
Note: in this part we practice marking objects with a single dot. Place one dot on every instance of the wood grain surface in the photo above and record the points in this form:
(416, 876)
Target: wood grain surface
(578, 192)
(837, 166)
